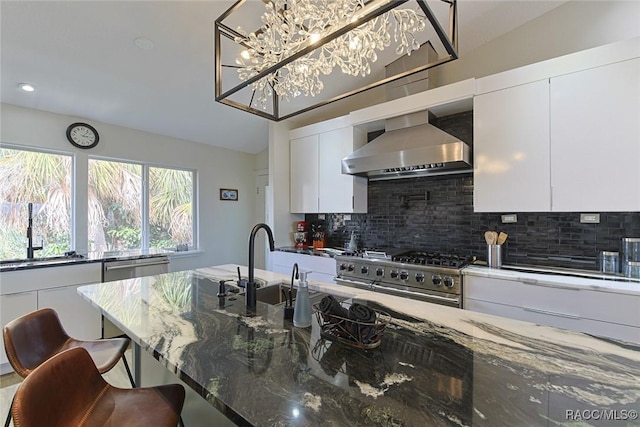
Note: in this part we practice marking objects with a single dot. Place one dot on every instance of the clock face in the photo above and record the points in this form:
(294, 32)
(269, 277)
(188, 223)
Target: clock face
(82, 135)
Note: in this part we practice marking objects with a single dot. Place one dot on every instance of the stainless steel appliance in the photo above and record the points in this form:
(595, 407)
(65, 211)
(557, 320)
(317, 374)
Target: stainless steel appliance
(425, 276)
(130, 268)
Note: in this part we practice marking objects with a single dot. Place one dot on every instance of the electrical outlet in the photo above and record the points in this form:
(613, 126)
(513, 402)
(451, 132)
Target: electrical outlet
(507, 219)
(347, 217)
(591, 218)
(321, 216)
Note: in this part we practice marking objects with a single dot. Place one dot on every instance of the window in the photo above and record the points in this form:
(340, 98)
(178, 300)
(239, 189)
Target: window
(170, 208)
(124, 213)
(43, 179)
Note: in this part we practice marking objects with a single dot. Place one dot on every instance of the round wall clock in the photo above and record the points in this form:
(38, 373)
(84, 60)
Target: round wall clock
(82, 135)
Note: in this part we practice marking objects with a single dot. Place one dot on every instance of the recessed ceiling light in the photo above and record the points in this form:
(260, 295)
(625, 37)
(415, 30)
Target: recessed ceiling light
(26, 87)
(143, 43)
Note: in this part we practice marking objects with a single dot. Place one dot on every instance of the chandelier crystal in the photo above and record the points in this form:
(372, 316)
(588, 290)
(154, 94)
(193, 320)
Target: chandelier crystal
(290, 26)
(294, 59)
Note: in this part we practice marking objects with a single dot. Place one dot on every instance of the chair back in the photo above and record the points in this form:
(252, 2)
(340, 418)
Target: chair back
(60, 392)
(33, 338)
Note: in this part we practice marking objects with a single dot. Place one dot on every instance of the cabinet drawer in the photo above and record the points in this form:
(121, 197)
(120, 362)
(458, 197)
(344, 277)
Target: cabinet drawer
(610, 307)
(532, 296)
(50, 277)
(322, 268)
(538, 316)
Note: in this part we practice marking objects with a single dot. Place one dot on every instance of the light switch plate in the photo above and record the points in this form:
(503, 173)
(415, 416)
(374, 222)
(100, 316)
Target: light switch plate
(321, 216)
(510, 218)
(590, 218)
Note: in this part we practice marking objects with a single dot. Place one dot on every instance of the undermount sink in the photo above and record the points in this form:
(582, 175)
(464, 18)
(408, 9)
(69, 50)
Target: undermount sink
(274, 294)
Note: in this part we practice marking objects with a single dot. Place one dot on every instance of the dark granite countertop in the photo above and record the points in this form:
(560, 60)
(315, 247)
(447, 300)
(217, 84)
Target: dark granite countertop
(437, 366)
(325, 252)
(27, 264)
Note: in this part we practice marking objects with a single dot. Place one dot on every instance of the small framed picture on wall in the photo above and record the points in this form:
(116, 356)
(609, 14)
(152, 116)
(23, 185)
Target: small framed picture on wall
(229, 194)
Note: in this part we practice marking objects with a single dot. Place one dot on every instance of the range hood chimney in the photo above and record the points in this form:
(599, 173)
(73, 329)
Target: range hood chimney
(410, 146)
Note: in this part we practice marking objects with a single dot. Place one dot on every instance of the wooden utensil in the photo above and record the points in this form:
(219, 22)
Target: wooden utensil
(488, 237)
(502, 237)
(495, 237)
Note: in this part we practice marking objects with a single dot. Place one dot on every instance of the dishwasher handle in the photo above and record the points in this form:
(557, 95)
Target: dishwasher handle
(108, 267)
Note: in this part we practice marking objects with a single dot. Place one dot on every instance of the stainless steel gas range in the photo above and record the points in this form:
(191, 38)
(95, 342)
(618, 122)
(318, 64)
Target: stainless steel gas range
(424, 276)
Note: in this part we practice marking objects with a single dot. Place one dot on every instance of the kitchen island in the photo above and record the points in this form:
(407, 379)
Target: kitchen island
(436, 366)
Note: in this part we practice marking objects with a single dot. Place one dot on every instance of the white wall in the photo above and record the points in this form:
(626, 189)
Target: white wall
(281, 221)
(569, 28)
(223, 226)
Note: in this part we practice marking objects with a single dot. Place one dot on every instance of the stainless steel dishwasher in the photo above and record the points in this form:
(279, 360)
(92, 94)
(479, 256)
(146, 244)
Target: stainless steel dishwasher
(131, 268)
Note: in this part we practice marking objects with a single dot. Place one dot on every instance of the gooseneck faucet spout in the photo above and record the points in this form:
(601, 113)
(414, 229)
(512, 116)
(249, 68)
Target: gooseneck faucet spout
(250, 291)
(30, 248)
(294, 275)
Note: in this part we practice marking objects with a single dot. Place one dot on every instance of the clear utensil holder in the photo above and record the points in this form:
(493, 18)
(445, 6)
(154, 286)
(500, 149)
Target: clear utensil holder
(609, 262)
(494, 256)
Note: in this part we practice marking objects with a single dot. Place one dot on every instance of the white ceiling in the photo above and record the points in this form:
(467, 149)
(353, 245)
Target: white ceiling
(82, 58)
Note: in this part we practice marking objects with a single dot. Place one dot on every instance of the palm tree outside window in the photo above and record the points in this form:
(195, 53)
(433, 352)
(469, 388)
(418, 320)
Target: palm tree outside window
(130, 205)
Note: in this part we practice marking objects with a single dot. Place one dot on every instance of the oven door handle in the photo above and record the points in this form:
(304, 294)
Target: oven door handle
(373, 286)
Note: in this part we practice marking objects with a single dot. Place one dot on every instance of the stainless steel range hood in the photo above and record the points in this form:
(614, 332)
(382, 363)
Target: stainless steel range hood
(410, 147)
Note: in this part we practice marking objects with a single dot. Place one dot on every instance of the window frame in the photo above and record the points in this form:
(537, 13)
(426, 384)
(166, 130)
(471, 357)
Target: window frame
(73, 235)
(145, 226)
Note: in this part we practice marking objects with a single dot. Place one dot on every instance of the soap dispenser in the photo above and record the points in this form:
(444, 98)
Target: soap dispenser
(302, 310)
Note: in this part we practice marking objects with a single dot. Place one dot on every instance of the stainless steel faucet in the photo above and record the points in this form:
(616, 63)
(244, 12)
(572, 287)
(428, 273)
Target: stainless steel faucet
(30, 248)
(250, 291)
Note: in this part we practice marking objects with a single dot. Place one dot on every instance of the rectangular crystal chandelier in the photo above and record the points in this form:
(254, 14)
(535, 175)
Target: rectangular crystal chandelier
(278, 68)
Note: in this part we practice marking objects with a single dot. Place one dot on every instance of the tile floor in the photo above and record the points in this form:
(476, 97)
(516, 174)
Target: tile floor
(9, 384)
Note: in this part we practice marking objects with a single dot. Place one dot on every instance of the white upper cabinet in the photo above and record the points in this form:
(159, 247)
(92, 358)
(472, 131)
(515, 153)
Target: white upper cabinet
(304, 174)
(317, 183)
(511, 149)
(561, 135)
(595, 139)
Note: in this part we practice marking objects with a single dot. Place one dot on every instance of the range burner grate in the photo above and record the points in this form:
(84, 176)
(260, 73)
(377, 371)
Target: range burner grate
(432, 258)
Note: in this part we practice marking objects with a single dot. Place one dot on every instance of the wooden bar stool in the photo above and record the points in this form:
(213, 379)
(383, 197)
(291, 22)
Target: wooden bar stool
(68, 390)
(35, 337)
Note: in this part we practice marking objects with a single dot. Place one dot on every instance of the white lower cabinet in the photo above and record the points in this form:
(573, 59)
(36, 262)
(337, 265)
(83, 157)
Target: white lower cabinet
(11, 307)
(24, 291)
(78, 317)
(323, 269)
(606, 314)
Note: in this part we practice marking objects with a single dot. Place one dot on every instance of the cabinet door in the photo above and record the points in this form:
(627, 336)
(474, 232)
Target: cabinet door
(335, 189)
(595, 139)
(304, 175)
(511, 150)
(78, 317)
(13, 306)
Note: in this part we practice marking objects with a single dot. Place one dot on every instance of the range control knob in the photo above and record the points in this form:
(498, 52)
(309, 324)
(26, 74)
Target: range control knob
(419, 277)
(394, 274)
(380, 272)
(436, 280)
(343, 267)
(404, 275)
(448, 282)
(351, 267)
(364, 269)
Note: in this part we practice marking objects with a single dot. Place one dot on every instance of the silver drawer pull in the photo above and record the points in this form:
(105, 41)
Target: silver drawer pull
(129, 266)
(551, 313)
(551, 285)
